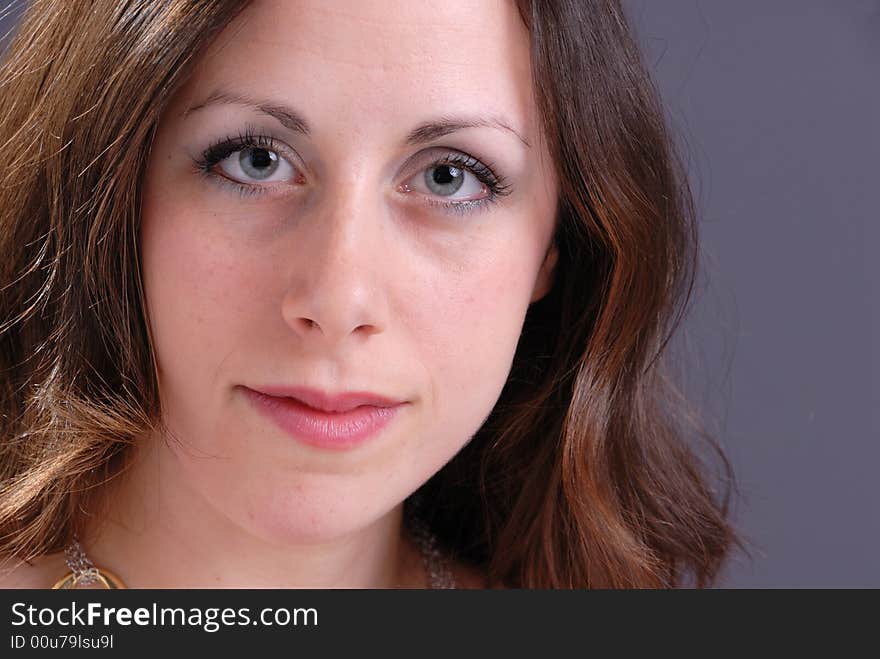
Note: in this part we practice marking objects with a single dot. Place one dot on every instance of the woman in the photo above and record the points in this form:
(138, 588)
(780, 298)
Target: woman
(310, 295)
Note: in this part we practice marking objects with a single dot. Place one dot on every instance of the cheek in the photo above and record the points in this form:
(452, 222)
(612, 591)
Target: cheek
(469, 335)
(200, 297)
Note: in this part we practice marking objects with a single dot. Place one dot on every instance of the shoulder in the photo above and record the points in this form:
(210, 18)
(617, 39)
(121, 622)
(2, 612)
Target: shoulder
(41, 572)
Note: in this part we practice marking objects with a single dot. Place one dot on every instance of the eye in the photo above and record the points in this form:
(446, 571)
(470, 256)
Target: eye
(258, 164)
(450, 182)
(458, 183)
(245, 162)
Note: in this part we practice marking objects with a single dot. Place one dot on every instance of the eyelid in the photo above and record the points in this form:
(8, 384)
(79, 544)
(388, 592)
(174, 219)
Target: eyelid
(457, 160)
(486, 172)
(249, 138)
(441, 154)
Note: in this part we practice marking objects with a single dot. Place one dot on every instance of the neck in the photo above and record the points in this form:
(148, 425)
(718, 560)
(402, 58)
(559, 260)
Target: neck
(169, 536)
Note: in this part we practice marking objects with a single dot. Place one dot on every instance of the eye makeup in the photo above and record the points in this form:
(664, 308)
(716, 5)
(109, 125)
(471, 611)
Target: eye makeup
(207, 163)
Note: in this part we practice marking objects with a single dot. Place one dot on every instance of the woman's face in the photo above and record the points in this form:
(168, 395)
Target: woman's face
(325, 254)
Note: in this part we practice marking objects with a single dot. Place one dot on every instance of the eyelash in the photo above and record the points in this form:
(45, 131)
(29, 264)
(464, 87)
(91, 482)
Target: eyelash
(223, 148)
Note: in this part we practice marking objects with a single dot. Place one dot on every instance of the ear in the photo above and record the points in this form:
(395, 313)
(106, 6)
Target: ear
(546, 275)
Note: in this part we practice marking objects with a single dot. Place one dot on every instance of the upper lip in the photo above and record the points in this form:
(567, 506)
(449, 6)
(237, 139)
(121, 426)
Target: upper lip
(327, 402)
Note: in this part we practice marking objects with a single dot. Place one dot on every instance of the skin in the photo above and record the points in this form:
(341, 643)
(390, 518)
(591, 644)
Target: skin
(337, 277)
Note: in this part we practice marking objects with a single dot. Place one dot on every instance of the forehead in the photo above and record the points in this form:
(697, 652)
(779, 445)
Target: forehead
(376, 62)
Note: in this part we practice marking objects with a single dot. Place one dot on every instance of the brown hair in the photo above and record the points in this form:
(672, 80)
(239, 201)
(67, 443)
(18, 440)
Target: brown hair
(583, 474)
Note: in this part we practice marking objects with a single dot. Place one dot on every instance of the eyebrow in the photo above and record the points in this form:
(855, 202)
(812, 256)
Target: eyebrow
(294, 121)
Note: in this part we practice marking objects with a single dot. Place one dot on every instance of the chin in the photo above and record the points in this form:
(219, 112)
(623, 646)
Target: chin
(298, 515)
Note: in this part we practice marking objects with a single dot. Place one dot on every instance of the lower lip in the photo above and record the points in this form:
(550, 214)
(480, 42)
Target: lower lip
(327, 430)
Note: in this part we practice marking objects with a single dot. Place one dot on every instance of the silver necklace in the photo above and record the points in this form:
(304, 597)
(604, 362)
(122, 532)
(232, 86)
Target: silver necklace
(439, 573)
(83, 570)
(436, 565)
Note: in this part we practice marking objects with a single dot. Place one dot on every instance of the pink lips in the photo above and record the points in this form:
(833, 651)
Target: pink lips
(324, 421)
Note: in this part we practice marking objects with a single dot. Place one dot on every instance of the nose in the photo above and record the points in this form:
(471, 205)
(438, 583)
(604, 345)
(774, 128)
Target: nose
(336, 288)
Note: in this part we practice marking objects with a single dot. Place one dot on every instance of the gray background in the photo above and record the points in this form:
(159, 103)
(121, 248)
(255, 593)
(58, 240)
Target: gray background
(776, 107)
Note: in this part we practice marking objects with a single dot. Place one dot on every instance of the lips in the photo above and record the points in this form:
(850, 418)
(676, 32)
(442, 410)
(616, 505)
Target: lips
(335, 422)
(321, 400)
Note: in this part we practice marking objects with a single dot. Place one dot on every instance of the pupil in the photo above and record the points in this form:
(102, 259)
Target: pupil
(260, 158)
(444, 174)
(444, 179)
(258, 163)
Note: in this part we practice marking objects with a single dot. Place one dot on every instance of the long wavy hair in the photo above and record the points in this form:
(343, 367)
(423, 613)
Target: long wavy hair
(586, 472)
